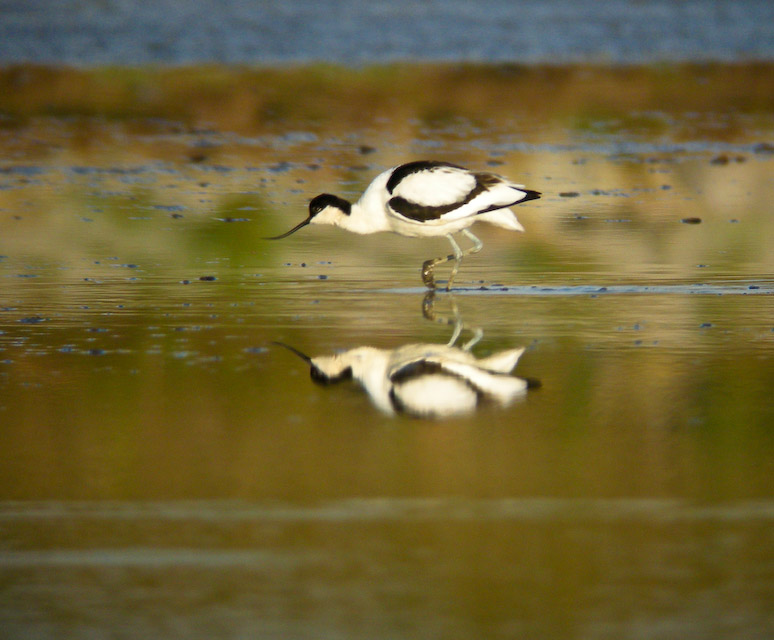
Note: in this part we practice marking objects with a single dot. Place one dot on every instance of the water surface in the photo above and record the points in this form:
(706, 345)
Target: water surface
(93, 32)
(169, 466)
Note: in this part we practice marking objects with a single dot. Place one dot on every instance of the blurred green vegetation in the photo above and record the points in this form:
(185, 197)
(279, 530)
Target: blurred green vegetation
(245, 98)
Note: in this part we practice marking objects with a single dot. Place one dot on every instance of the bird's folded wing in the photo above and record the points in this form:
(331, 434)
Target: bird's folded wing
(436, 187)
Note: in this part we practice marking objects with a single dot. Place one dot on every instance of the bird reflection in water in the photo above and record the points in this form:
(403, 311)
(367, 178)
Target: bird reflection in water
(427, 380)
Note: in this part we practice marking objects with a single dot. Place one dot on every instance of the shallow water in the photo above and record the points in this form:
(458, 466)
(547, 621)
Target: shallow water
(169, 467)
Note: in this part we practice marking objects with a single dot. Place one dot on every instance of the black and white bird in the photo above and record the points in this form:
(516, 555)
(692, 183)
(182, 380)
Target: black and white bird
(425, 380)
(424, 199)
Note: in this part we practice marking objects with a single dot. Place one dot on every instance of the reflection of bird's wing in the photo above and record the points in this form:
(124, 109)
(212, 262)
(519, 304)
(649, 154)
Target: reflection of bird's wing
(499, 386)
(409, 353)
(503, 362)
(439, 387)
(433, 395)
(424, 379)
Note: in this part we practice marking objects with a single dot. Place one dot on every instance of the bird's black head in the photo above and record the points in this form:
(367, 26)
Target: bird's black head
(325, 378)
(319, 203)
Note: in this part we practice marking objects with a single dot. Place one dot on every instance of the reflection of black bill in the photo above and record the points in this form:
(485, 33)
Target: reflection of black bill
(293, 230)
(319, 376)
(300, 354)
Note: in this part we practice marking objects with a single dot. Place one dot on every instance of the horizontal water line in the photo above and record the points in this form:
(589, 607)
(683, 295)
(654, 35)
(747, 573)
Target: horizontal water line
(588, 290)
(396, 510)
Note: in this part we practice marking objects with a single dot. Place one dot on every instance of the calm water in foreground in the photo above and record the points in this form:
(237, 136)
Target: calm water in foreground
(170, 468)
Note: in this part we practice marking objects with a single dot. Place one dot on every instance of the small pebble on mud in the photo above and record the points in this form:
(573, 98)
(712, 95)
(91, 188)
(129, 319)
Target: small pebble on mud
(724, 159)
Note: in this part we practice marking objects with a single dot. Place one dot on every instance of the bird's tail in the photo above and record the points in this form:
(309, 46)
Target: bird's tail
(504, 218)
(530, 195)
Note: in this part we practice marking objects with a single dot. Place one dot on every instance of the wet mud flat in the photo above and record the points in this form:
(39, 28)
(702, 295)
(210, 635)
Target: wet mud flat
(171, 462)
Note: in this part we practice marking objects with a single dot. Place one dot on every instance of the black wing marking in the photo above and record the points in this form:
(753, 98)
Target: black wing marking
(419, 212)
(407, 169)
(531, 195)
(424, 213)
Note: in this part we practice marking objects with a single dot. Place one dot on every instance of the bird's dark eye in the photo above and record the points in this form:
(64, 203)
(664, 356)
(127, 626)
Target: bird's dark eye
(317, 204)
(324, 200)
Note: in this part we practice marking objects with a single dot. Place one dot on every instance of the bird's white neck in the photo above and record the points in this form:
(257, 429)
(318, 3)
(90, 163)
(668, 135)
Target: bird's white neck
(362, 220)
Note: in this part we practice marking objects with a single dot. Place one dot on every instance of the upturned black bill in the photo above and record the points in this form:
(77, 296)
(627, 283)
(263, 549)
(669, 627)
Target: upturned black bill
(293, 230)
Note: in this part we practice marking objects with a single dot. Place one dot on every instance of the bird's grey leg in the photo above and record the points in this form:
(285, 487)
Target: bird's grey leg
(429, 265)
(457, 257)
(477, 244)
